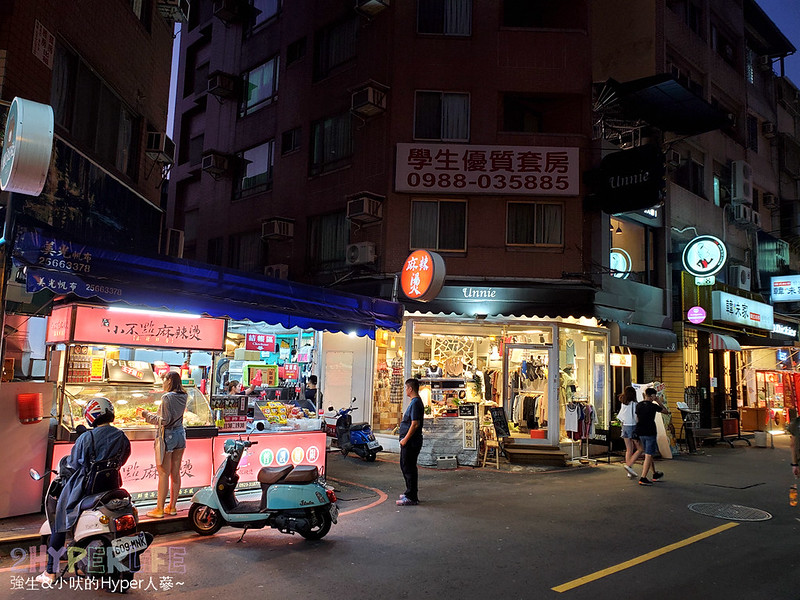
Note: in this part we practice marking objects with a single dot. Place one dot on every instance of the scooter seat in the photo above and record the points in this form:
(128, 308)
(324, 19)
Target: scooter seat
(359, 426)
(302, 474)
(270, 475)
(95, 500)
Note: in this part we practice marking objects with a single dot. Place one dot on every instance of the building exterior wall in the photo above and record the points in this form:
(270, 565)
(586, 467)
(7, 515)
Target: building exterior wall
(130, 57)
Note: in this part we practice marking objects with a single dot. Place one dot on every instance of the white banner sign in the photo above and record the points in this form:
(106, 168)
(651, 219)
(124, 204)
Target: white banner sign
(741, 311)
(786, 288)
(467, 169)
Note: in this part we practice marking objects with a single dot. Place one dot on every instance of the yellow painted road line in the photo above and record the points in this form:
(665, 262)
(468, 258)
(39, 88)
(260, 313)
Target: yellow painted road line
(640, 559)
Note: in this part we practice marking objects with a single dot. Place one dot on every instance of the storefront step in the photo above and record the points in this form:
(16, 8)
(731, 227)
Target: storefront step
(528, 454)
(390, 443)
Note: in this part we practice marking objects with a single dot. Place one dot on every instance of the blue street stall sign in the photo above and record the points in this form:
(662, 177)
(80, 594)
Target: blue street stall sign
(27, 147)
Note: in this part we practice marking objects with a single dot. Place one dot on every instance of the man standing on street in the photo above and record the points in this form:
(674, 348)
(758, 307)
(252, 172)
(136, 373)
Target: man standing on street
(646, 430)
(411, 443)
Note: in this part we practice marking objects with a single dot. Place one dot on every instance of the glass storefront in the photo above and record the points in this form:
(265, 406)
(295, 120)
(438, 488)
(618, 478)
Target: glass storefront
(550, 378)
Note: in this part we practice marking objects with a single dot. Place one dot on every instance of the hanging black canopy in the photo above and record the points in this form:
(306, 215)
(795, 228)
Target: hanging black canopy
(662, 102)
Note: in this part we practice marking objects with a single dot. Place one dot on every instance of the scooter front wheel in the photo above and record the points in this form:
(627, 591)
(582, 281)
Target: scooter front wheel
(204, 519)
(371, 456)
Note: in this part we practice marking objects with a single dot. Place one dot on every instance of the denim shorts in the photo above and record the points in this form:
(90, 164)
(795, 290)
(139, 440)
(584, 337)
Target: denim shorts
(649, 443)
(175, 438)
(629, 432)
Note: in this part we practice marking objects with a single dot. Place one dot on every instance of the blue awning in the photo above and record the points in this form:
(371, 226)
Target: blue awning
(65, 267)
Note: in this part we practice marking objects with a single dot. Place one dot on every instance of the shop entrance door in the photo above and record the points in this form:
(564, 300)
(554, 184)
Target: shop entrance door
(526, 392)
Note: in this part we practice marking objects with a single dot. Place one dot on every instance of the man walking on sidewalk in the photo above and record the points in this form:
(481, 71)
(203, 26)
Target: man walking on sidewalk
(411, 443)
(646, 430)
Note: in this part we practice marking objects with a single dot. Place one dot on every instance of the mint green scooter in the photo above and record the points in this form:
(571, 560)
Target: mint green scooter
(293, 499)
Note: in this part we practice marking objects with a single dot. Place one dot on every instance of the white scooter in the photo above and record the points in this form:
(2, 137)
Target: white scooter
(105, 542)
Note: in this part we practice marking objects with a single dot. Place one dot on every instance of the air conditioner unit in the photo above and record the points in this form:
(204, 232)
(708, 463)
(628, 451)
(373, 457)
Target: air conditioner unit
(215, 164)
(768, 129)
(174, 243)
(160, 148)
(764, 63)
(755, 218)
(741, 183)
(174, 10)
(361, 253)
(221, 84)
(231, 11)
(371, 7)
(369, 101)
(740, 276)
(742, 213)
(279, 271)
(674, 158)
(277, 229)
(769, 200)
(365, 208)
(16, 286)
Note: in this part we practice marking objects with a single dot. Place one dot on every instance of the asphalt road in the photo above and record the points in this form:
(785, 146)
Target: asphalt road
(585, 533)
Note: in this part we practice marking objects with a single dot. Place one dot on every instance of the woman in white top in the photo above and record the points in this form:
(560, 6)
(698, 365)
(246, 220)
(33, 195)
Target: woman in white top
(627, 417)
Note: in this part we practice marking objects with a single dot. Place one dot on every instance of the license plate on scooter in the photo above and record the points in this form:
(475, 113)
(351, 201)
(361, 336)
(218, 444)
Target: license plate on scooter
(373, 444)
(334, 513)
(122, 547)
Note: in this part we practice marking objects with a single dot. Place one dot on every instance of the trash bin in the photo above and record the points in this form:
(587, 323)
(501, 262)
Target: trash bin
(760, 439)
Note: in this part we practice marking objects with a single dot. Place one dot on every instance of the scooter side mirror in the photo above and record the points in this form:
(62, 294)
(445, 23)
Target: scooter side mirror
(34, 474)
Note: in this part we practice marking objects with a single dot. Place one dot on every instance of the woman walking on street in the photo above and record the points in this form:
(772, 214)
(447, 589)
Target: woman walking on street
(627, 417)
(170, 444)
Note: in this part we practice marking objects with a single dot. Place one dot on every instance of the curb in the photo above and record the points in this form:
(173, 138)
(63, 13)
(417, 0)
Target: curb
(155, 526)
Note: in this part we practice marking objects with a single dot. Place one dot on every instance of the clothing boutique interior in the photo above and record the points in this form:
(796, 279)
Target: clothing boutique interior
(549, 377)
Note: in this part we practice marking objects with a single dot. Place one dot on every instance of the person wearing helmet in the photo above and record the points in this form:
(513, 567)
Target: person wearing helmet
(101, 442)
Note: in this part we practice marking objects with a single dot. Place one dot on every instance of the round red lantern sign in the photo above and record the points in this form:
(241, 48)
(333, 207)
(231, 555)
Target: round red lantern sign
(423, 275)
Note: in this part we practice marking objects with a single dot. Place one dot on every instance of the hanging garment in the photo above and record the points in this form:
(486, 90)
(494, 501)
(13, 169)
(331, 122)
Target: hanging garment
(571, 417)
(397, 383)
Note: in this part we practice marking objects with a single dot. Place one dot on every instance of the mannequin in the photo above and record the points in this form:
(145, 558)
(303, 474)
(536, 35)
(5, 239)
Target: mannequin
(434, 370)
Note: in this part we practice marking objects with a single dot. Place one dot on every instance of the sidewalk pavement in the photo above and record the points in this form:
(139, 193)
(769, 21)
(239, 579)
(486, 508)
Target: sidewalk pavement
(351, 475)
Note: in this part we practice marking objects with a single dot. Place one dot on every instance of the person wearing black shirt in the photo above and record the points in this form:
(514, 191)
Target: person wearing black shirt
(411, 443)
(646, 430)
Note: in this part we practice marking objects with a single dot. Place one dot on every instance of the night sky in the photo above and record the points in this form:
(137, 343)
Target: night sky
(786, 15)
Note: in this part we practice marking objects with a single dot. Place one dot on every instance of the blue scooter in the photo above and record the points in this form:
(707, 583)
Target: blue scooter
(293, 499)
(357, 437)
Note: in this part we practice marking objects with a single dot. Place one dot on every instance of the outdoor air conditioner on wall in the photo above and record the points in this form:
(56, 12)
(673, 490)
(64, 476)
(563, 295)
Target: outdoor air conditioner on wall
(740, 276)
(230, 11)
(765, 63)
(278, 271)
(221, 84)
(365, 208)
(361, 253)
(742, 214)
(768, 129)
(174, 10)
(371, 7)
(160, 148)
(174, 243)
(369, 101)
(755, 217)
(674, 158)
(215, 164)
(741, 182)
(769, 200)
(277, 229)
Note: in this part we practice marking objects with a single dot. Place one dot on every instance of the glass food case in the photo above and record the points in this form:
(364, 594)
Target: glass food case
(129, 401)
